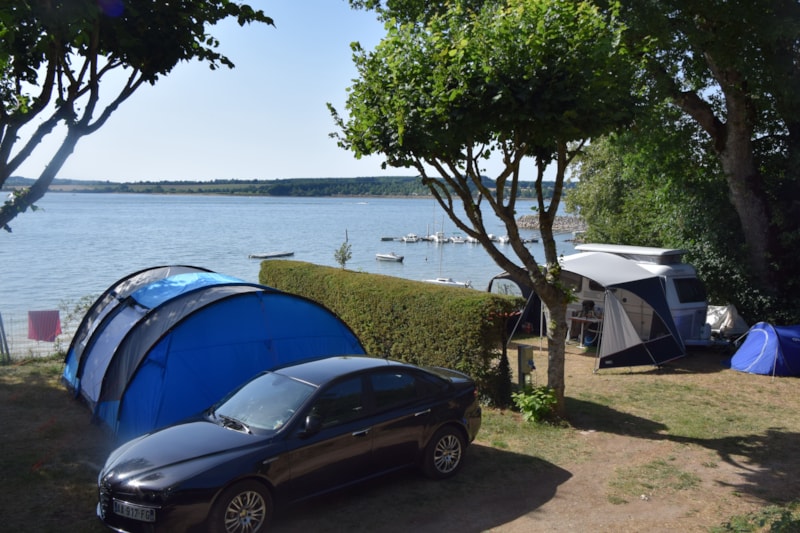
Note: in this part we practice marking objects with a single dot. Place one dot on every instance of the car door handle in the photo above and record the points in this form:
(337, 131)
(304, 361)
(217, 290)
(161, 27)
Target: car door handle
(425, 412)
(361, 433)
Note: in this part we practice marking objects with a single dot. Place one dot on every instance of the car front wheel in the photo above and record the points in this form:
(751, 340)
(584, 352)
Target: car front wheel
(444, 453)
(243, 508)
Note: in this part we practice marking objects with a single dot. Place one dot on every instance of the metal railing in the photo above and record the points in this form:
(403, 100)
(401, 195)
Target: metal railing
(15, 343)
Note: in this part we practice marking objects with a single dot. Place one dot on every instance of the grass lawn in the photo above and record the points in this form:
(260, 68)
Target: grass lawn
(691, 446)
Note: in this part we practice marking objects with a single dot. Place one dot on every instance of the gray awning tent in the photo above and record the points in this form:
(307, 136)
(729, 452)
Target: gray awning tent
(638, 328)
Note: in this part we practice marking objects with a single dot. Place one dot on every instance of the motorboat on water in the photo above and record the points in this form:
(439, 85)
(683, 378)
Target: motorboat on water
(270, 255)
(391, 256)
(439, 237)
(449, 281)
(411, 237)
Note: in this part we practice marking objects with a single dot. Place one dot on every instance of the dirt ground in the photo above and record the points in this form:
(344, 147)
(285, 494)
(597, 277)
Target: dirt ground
(581, 502)
(753, 462)
(531, 495)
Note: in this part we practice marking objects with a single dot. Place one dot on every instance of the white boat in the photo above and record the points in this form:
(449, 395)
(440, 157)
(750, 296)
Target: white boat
(411, 237)
(457, 238)
(391, 256)
(439, 237)
(472, 240)
(270, 255)
(505, 239)
(449, 281)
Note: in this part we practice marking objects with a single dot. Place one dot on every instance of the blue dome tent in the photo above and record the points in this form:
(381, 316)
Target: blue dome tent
(769, 350)
(164, 343)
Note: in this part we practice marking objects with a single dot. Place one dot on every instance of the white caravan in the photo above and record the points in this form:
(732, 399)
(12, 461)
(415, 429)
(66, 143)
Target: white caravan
(686, 294)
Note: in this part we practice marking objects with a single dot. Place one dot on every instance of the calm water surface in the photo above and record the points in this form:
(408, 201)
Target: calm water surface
(77, 245)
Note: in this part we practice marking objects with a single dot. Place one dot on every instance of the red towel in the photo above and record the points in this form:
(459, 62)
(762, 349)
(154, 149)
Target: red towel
(43, 325)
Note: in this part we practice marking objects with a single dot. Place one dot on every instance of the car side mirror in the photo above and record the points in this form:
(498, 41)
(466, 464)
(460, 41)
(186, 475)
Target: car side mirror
(312, 427)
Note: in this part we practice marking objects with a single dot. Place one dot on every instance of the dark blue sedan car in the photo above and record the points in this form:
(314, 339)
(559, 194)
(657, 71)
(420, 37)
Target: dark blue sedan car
(287, 435)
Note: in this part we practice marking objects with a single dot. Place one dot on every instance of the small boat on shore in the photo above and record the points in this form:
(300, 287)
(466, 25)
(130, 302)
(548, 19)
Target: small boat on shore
(391, 256)
(270, 255)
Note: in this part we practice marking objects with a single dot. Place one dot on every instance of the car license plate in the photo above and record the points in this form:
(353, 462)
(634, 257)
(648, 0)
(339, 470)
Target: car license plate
(135, 512)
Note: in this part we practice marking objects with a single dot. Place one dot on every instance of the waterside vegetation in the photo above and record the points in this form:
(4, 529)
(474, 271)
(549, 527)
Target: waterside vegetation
(396, 186)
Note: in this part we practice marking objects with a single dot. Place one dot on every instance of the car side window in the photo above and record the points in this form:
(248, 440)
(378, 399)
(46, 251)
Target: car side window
(393, 388)
(341, 403)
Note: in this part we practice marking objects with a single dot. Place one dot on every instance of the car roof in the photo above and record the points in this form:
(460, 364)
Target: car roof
(321, 371)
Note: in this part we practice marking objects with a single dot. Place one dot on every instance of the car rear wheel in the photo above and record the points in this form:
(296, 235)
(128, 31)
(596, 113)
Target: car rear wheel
(444, 453)
(243, 508)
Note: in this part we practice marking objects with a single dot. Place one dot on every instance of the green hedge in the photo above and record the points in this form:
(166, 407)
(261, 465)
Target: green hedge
(416, 322)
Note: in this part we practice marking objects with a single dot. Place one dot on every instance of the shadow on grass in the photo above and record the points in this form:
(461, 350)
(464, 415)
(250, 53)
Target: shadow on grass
(698, 362)
(51, 455)
(768, 463)
(495, 487)
(694, 362)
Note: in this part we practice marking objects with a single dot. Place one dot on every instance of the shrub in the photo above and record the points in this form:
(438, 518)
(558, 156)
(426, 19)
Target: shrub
(412, 321)
(535, 403)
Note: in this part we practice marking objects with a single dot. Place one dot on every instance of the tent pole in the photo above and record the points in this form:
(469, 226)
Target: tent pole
(514, 330)
(5, 353)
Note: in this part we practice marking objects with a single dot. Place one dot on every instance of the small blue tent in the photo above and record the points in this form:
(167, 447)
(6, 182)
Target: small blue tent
(769, 350)
(164, 343)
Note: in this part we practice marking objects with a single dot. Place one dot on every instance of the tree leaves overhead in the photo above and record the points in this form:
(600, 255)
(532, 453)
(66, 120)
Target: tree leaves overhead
(150, 36)
(55, 53)
(527, 72)
(731, 71)
(454, 83)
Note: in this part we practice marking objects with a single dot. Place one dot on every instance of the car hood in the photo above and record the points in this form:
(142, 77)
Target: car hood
(177, 444)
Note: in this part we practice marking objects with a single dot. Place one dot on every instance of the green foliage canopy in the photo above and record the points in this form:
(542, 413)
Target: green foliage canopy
(454, 84)
(711, 164)
(733, 68)
(516, 76)
(54, 54)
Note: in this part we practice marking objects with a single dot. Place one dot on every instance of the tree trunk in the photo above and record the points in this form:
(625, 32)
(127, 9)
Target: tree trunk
(22, 202)
(556, 338)
(745, 186)
(733, 144)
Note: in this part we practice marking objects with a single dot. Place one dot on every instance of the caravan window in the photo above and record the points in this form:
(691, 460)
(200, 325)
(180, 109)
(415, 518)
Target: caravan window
(571, 281)
(690, 290)
(505, 286)
(594, 286)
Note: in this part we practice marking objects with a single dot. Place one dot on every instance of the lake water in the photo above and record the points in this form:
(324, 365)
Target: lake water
(78, 245)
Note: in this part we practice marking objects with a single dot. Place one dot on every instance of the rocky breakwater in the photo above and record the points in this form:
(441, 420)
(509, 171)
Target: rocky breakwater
(561, 224)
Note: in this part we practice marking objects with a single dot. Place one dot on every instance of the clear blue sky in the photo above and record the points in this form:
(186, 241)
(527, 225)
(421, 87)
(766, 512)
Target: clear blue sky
(265, 119)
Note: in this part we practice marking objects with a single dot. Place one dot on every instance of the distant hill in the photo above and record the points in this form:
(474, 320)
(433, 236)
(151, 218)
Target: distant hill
(366, 186)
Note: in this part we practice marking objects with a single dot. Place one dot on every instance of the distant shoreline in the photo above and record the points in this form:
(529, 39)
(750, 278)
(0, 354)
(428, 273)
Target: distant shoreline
(363, 187)
(561, 224)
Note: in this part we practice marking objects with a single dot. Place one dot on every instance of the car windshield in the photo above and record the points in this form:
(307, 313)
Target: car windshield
(265, 403)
